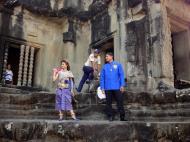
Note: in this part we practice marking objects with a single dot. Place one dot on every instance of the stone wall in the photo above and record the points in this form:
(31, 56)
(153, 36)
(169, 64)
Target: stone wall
(141, 31)
(137, 44)
(149, 42)
(47, 34)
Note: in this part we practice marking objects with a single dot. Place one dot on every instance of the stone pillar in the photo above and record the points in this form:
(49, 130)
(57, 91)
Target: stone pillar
(5, 58)
(122, 55)
(30, 67)
(1, 57)
(70, 52)
(123, 34)
(19, 82)
(25, 66)
(167, 75)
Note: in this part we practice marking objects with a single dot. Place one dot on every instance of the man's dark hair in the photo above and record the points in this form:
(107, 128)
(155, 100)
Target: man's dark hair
(110, 54)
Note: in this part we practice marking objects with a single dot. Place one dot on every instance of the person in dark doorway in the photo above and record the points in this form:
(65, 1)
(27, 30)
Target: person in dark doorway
(8, 75)
(112, 84)
(91, 67)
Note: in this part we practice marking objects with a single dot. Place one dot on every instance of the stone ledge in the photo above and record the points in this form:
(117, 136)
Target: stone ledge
(92, 131)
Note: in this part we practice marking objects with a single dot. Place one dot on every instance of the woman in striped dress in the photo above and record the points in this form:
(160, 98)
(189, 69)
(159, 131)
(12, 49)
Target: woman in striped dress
(64, 90)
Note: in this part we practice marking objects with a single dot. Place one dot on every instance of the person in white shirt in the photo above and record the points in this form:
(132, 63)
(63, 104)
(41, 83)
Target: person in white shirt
(91, 66)
(8, 75)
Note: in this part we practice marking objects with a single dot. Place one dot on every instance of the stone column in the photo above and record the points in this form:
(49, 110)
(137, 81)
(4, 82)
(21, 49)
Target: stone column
(30, 67)
(19, 82)
(1, 58)
(25, 66)
(122, 36)
(167, 75)
(70, 50)
(5, 58)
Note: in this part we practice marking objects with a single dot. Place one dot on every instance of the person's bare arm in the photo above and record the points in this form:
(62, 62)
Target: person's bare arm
(99, 68)
(55, 76)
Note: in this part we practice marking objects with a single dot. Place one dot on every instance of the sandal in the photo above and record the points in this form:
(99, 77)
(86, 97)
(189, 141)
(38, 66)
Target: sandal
(60, 117)
(73, 116)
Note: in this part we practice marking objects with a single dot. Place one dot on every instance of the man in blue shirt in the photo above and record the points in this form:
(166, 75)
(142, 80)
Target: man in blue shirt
(112, 84)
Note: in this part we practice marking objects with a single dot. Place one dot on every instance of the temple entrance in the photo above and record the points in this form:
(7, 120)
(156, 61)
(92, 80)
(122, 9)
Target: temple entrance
(13, 60)
(181, 55)
(105, 47)
(21, 57)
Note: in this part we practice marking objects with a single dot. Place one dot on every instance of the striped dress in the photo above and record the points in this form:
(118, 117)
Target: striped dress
(63, 91)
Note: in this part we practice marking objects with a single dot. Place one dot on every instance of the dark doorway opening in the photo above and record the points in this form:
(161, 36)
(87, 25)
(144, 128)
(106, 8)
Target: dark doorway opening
(105, 47)
(181, 59)
(13, 60)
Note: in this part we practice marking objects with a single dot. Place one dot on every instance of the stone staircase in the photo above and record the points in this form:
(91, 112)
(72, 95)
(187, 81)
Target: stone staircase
(24, 104)
(17, 103)
(30, 116)
(21, 104)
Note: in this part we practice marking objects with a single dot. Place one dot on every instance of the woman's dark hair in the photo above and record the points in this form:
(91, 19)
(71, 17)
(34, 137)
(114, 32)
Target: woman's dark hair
(67, 63)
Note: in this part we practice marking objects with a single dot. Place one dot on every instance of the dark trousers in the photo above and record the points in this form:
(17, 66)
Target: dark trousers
(118, 96)
(88, 74)
(8, 82)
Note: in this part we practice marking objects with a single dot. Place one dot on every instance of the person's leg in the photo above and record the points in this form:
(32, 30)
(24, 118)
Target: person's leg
(119, 99)
(59, 103)
(109, 96)
(84, 78)
(73, 115)
(60, 115)
(91, 73)
(8, 82)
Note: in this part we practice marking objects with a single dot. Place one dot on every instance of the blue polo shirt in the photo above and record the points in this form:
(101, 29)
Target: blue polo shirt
(112, 76)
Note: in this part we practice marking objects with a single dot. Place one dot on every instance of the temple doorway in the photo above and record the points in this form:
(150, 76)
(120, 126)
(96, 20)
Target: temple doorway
(13, 60)
(180, 35)
(105, 47)
(22, 58)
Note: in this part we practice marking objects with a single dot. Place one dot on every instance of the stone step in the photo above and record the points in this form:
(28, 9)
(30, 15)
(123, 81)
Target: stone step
(27, 107)
(158, 119)
(159, 106)
(129, 97)
(13, 90)
(40, 104)
(37, 130)
(27, 112)
(31, 98)
(42, 117)
(95, 112)
(159, 113)
(12, 95)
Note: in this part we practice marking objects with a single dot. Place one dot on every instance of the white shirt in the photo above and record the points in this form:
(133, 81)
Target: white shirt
(91, 58)
(9, 75)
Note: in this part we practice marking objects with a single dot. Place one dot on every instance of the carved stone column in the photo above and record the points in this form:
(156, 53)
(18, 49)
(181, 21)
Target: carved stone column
(19, 82)
(2, 52)
(5, 58)
(25, 66)
(30, 67)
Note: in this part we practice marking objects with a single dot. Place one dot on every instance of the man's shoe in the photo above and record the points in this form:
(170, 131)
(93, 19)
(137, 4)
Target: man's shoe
(88, 81)
(77, 91)
(123, 119)
(102, 101)
(111, 119)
